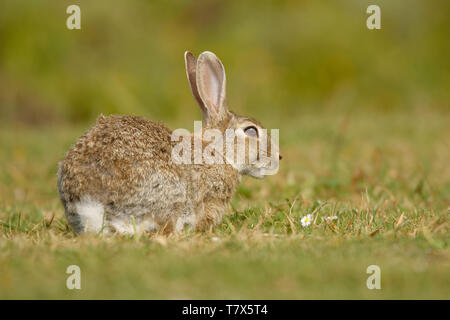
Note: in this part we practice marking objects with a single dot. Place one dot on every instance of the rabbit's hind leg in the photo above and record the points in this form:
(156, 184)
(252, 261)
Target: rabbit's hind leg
(130, 224)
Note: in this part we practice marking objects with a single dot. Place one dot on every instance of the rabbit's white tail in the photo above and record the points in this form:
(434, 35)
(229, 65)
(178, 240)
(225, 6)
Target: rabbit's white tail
(91, 214)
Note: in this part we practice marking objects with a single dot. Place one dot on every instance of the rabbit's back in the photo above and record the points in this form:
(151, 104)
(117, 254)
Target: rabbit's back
(121, 167)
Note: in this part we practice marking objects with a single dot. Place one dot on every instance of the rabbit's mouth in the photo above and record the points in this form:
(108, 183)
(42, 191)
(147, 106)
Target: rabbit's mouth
(255, 173)
(263, 167)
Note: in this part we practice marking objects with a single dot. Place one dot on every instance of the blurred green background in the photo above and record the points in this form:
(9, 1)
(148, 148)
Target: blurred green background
(283, 58)
(364, 130)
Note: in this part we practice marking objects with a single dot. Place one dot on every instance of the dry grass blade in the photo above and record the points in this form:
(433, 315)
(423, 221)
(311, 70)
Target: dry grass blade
(399, 221)
(373, 233)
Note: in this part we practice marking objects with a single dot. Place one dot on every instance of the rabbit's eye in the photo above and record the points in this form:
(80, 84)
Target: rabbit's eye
(251, 131)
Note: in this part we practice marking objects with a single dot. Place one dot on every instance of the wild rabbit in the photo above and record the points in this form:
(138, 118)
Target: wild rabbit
(120, 177)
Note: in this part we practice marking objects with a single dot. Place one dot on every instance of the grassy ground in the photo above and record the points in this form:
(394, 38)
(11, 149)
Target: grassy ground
(386, 177)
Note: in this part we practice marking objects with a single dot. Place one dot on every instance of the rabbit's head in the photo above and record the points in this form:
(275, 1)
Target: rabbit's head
(255, 152)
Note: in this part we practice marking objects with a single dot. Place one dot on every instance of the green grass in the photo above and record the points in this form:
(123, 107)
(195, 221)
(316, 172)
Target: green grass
(364, 128)
(386, 177)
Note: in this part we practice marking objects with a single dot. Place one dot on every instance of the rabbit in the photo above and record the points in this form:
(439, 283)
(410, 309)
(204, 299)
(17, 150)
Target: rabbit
(119, 177)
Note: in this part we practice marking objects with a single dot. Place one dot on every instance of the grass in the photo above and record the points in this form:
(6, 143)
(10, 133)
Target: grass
(385, 176)
(363, 118)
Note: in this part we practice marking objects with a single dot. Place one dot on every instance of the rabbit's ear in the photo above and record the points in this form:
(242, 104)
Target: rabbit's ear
(191, 71)
(211, 84)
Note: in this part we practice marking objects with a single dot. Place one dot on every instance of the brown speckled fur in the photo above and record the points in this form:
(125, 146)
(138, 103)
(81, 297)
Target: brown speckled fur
(118, 157)
(124, 163)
